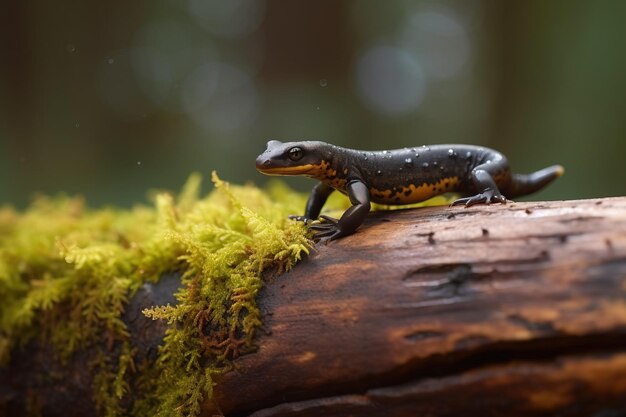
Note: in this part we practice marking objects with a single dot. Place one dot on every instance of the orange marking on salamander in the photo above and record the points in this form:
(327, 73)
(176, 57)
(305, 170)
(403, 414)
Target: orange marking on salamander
(414, 194)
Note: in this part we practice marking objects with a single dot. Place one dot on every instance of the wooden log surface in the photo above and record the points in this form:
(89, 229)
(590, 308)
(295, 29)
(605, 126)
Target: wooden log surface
(515, 310)
(502, 310)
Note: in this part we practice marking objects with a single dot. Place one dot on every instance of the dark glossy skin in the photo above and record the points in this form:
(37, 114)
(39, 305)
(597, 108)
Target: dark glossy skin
(397, 177)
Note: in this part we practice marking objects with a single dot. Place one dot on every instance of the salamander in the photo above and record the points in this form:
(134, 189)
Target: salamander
(396, 177)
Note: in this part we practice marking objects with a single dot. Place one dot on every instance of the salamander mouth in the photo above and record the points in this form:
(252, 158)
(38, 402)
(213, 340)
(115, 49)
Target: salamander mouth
(293, 170)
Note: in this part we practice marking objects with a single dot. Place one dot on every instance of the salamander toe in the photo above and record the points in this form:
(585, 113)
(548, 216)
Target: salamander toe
(486, 197)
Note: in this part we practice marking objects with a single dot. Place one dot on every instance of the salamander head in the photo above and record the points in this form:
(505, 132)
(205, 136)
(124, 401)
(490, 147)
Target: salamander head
(293, 158)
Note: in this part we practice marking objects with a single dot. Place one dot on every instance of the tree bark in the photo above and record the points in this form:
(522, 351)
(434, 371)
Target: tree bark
(516, 310)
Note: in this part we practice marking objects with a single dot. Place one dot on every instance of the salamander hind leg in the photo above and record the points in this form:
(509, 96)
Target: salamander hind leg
(482, 179)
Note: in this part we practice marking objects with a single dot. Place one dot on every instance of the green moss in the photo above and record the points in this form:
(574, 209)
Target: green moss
(67, 272)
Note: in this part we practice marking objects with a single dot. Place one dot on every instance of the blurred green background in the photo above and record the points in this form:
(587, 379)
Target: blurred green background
(110, 99)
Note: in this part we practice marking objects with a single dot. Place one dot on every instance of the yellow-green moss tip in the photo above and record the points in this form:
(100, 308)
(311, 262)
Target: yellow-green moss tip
(58, 253)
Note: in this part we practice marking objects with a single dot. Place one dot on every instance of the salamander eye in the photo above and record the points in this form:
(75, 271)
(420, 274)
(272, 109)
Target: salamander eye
(295, 153)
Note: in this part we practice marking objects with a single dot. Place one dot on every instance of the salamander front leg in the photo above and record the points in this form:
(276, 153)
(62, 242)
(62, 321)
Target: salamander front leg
(482, 180)
(350, 220)
(317, 199)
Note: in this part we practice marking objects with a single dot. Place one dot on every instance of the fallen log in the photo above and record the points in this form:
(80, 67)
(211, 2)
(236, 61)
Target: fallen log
(498, 310)
(514, 309)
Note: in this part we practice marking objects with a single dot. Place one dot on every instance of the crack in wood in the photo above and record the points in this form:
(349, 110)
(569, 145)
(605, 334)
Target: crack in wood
(421, 335)
(457, 370)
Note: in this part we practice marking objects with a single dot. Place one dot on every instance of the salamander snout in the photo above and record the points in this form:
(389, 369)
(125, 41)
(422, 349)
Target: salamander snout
(263, 161)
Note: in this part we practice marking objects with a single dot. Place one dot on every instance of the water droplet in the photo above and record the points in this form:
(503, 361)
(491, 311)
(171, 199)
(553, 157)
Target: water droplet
(400, 169)
(435, 163)
(443, 168)
(70, 47)
(379, 172)
(468, 155)
(385, 152)
(138, 162)
(425, 164)
(323, 82)
(110, 61)
(451, 153)
(417, 155)
(366, 158)
(408, 161)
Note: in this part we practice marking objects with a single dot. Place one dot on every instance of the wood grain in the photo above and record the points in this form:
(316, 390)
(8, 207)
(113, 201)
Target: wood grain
(514, 309)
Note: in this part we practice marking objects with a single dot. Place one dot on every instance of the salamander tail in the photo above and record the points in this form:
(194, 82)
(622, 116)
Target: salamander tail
(523, 184)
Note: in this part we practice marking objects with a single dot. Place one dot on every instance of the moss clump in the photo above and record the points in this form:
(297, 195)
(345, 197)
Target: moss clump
(66, 273)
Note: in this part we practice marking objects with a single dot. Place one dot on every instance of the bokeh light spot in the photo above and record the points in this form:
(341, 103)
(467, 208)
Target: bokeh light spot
(220, 98)
(390, 80)
(439, 42)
